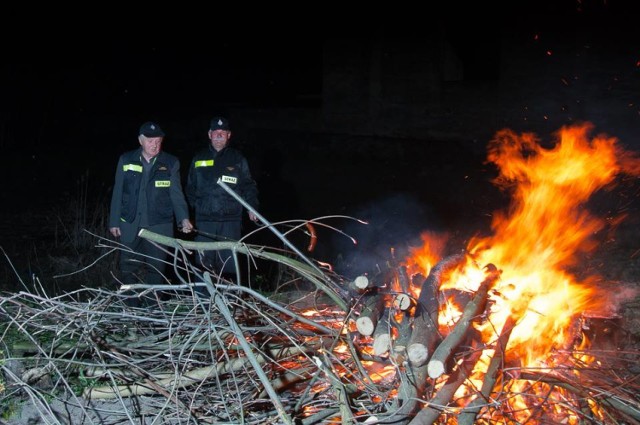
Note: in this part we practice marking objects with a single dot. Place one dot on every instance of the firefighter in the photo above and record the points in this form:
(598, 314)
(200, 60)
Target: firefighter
(147, 194)
(218, 215)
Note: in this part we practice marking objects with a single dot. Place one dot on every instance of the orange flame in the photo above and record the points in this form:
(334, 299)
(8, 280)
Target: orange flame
(539, 237)
(537, 240)
(426, 256)
(535, 243)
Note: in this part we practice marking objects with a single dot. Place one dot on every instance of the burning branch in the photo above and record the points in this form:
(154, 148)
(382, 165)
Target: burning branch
(469, 413)
(442, 398)
(437, 363)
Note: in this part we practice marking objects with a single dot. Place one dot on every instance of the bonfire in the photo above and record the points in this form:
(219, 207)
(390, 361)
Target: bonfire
(502, 330)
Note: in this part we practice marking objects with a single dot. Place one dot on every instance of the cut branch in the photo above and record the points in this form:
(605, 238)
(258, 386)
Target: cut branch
(370, 314)
(440, 356)
(439, 402)
(425, 335)
(382, 335)
(468, 415)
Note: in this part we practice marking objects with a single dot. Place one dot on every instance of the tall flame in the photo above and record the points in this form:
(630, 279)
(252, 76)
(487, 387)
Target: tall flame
(539, 237)
(537, 240)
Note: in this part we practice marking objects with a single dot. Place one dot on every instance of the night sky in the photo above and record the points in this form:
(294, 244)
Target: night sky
(62, 86)
(82, 106)
(166, 81)
(186, 72)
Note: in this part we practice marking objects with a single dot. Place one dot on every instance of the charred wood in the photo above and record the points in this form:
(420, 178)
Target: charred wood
(403, 279)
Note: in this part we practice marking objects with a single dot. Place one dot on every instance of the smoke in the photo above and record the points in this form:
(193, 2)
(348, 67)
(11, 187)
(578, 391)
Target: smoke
(394, 225)
(622, 294)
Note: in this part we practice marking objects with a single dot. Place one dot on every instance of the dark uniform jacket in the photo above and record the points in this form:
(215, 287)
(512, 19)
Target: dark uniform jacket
(165, 199)
(210, 201)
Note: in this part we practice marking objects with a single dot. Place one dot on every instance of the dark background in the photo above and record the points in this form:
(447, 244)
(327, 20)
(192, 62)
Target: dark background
(392, 130)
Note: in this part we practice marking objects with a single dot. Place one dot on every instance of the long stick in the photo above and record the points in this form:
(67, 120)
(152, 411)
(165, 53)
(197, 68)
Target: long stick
(438, 404)
(315, 275)
(468, 415)
(220, 302)
(270, 226)
(436, 366)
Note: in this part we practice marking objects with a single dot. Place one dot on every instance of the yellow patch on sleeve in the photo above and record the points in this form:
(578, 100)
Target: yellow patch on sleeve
(132, 167)
(204, 163)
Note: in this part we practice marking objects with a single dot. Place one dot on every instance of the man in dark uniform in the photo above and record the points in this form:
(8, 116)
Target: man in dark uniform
(217, 214)
(147, 194)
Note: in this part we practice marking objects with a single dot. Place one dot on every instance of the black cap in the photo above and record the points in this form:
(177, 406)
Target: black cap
(151, 129)
(219, 123)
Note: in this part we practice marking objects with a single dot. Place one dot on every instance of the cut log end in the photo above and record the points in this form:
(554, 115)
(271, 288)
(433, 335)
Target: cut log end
(402, 302)
(361, 282)
(381, 344)
(365, 325)
(399, 353)
(418, 354)
(435, 369)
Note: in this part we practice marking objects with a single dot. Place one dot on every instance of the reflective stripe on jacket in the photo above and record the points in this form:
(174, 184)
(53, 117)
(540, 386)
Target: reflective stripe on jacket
(158, 187)
(209, 200)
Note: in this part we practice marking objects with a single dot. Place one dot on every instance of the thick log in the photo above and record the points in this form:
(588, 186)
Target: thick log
(400, 339)
(361, 284)
(425, 335)
(399, 353)
(417, 279)
(418, 353)
(469, 413)
(441, 355)
(412, 385)
(403, 279)
(438, 403)
(402, 302)
(370, 314)
(382, 335)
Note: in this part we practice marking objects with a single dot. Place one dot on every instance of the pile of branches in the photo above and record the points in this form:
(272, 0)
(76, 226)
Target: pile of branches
(234, 355)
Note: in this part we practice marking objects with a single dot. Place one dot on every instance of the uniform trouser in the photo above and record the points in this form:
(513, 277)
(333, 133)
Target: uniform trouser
(145, 264)
(220, 261)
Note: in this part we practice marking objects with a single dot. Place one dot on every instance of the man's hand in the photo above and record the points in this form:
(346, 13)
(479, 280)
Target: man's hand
(186, 227)
(253, 217)
(115, 232)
